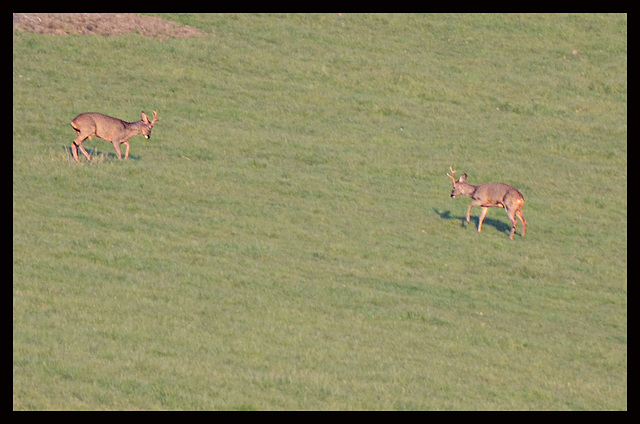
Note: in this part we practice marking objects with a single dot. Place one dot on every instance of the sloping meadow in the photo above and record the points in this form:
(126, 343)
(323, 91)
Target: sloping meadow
(286, 238)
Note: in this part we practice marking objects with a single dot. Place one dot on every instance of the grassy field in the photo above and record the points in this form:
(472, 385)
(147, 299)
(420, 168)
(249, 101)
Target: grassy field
(286, 238)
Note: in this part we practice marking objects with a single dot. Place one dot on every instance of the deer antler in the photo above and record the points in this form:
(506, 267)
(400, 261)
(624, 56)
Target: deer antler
(155, 117)
(452, 175)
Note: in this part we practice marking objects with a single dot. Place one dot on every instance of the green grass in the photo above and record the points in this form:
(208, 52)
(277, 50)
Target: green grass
(286, 238)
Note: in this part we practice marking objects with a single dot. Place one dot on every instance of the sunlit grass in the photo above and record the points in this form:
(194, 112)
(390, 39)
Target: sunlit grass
(286, 238)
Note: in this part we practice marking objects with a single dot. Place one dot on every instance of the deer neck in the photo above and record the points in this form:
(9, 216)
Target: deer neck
(470, 190)
(134, 128)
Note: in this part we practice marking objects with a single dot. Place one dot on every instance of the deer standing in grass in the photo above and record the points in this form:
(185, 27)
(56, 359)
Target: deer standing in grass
(113, 130)
(488, 195)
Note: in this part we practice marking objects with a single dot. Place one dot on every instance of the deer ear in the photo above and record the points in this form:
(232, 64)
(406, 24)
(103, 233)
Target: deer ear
(463, 178)
(144, 118)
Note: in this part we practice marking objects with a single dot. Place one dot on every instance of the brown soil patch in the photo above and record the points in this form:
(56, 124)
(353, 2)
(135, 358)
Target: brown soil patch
(106, 24)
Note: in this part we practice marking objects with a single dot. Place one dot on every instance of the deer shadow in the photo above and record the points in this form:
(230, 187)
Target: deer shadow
(499, 225)
(95, 153)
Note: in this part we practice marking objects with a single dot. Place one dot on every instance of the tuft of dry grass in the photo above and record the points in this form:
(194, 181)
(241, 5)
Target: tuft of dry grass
(105, 24)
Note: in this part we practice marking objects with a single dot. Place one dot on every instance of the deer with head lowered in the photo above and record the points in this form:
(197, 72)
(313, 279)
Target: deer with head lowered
(114, 130)
(488, 195)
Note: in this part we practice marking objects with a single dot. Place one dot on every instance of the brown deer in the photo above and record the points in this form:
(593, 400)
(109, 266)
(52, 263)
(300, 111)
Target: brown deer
(113, 130)
(488, 195)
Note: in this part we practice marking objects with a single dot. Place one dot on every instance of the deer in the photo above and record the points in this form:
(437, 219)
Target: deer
(114, 130)
(491, 195)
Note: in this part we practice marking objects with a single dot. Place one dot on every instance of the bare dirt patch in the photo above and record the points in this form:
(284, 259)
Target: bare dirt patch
(106, 24)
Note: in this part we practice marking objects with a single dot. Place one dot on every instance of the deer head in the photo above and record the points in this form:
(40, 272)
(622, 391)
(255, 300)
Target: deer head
(146, 130)
(460, 186)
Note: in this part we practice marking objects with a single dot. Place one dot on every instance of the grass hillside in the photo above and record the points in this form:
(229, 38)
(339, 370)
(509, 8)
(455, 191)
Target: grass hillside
(286, 238)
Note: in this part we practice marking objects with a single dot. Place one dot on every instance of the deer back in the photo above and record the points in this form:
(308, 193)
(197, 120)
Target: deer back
(498, 194)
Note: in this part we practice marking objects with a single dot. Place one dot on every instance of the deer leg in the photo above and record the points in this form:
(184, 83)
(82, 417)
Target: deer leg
(126, 155)
(472, 204)
(116, 145)
(78, 143)
(84, 151)
(469, 212)
(513, 229)
(74, 150)
(481, 219)
(524, 223)
(514, 222)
